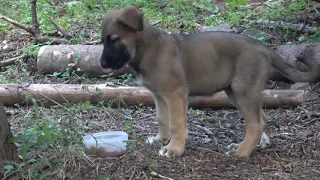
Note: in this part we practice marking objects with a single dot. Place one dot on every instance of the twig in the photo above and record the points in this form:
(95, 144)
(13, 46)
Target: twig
(12, 52)
(12, 60)
(155, 23)
(59, 28)
(160, 176)
(144, 117)
(315, 171)
(17, 24)
(311, 102)
(132, 174)
(92, 42)
(61, 95)
(311, 121)
(145, 175)
(197, 134)
(9, 174)
(206, 130)
(35, 93)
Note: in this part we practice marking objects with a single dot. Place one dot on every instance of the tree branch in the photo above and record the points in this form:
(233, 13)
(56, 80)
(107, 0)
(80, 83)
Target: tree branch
(35, 23)
(35, 30)
(12, 60)
(59, 28)
(17, 24)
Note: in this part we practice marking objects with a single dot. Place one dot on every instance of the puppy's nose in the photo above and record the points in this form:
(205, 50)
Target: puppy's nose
(103, 63)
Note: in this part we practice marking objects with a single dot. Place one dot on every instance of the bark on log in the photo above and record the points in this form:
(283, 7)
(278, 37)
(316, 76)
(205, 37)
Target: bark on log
(55, 58)
(8, 150)
(11, 94)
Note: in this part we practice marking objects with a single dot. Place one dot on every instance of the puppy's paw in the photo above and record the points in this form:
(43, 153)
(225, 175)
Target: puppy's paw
(264, 141)
(232, 148)
(150, 140)
(242, 150)
(157, 139)
(171, 151)
(238, 150)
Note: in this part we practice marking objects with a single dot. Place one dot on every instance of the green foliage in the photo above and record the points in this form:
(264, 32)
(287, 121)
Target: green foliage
(127, 78)
(44, 134)
(232, 4)
(8, 168)
(152, 164)
(104, 177)
(194, 112)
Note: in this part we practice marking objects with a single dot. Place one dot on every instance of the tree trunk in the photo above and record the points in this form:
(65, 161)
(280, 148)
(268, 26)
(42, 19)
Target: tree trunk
(73, 93)
(8, 150)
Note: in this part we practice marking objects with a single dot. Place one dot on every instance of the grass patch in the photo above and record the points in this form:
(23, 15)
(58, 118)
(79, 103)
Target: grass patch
(50, 139)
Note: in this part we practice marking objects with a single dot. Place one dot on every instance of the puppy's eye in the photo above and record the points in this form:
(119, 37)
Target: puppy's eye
(112, 38)
(115, 38)
(108, 38)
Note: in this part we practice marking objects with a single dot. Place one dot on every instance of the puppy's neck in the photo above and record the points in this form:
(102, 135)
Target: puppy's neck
(151, 33)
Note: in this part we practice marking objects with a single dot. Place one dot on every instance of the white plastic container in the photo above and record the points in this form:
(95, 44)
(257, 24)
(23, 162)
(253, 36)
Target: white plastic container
(106, 144)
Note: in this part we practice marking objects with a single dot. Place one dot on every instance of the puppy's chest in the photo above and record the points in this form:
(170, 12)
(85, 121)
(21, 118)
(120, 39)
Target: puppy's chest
(144, 82)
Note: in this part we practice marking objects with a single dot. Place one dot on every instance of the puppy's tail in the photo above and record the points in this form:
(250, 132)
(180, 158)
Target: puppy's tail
(307, 58)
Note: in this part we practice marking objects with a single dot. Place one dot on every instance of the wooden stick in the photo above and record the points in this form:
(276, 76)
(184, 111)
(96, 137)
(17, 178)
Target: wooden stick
(12, 60)
(17, 24)
(11, 94)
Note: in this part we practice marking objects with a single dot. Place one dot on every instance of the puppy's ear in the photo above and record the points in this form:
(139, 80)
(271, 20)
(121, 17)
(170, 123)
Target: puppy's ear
(132, 18)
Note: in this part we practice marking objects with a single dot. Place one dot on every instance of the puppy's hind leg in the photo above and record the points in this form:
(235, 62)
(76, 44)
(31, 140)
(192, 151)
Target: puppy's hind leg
(254, 122)
(162, 116)
(264, 140)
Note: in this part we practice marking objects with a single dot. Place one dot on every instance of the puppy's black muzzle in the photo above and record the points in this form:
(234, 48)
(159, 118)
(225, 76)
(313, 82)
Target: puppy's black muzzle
(114, 55)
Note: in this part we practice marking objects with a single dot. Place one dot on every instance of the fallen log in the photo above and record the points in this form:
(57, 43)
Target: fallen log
(11, 94)
(294, 27)
(86, 58)
(56, 58)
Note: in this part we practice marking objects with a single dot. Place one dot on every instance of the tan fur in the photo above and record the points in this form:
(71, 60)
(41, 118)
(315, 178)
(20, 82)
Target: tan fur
(174, 66)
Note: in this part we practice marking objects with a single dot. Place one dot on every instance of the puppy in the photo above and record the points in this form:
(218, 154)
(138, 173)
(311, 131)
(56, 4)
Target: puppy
(176, 66)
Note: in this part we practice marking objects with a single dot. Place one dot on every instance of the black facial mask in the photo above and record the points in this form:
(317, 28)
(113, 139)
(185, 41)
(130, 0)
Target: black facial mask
(113, 56)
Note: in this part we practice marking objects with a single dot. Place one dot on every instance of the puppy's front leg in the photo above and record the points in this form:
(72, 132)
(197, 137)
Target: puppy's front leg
(162, 116)
(177, 104)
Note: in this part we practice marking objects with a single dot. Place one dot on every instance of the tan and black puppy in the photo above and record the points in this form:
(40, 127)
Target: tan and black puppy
(175, 66)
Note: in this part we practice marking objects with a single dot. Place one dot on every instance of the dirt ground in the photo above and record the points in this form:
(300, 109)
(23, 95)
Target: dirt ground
(293, 154)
